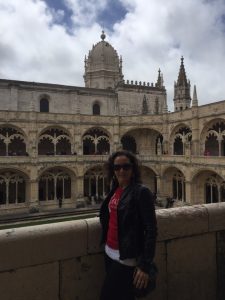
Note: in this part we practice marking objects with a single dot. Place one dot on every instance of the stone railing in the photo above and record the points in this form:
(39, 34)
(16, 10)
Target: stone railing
(63, 261)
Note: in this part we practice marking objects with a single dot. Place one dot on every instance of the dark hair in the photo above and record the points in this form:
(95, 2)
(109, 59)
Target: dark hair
(133, 160)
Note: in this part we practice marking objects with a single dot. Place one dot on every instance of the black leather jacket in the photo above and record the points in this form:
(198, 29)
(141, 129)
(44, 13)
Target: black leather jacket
(137, 228)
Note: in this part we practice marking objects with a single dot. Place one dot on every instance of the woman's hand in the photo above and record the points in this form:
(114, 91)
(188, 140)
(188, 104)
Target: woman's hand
(140, 279)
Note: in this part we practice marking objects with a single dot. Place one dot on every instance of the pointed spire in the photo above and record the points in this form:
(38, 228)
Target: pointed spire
(182, 79)
(182, 98)
(121, 62)
(159, 82)
(195, 98)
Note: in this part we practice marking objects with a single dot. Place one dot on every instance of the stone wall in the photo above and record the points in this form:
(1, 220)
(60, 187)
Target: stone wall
(63, 261)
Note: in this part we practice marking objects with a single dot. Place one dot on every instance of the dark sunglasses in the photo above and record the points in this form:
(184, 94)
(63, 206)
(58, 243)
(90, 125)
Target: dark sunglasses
(125, 167)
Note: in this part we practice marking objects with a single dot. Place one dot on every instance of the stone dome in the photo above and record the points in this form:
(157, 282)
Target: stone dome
(103, 68)
(103, 56)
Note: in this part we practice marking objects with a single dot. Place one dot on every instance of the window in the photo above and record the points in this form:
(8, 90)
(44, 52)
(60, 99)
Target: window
(96, 109)
(44, 105)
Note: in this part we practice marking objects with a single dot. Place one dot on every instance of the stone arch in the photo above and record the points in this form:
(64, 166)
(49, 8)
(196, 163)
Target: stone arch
(95, 184)
(180, 140)
(13, 187)
(207, 187)
(212, 138)
(146, 140)
(13, 141)
(149, 178)
(54, 141)
(96, 141)
(104, 130)
(174, 184)
(56, 183)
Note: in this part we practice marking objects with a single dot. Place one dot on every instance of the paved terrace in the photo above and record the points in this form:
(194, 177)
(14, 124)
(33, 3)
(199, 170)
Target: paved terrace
(63, 261)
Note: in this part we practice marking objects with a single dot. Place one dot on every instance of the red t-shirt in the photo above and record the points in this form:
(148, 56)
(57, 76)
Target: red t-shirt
(112, 236)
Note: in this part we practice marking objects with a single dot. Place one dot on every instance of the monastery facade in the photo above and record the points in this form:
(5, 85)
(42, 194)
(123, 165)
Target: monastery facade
(55, 139)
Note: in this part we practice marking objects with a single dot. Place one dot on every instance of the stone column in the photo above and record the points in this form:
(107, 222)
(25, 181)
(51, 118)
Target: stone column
(188, 191)
(80, 185)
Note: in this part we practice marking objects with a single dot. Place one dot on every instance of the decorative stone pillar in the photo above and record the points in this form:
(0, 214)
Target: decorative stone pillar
(158, 183)
(187, 148)
(159, 148)
(117, 146)
(80, 202)
(33, 196)
(195, 147)
(32, 144)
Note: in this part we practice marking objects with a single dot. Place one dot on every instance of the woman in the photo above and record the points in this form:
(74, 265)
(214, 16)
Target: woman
(129, 231)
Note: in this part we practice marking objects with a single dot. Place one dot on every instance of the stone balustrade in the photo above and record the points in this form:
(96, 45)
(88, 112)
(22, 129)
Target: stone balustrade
(198, 160)
(63, 261)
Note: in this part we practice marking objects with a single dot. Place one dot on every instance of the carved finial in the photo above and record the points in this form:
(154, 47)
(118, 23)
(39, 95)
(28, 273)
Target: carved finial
(103, 36)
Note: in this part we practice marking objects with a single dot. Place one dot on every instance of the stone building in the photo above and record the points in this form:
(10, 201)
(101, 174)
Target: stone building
(54, 139)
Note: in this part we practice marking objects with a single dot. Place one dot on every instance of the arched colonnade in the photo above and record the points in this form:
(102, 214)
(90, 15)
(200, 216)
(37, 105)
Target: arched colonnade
(98, 141)
(61, 184)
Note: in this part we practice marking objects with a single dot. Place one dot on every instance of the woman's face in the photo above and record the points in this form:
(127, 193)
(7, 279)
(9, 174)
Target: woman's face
(123, 170)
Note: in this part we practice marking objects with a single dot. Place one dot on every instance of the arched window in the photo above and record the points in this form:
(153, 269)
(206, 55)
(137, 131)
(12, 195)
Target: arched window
(96, 109)
(95, 185)
(182, 136)
(12, 142)
(128, 142)
(55, 184)
(178, 186)
(12, 188)
(215, 140)
(44, 105)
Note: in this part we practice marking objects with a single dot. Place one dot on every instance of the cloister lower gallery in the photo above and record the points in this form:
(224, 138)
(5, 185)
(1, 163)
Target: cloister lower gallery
(192, 185)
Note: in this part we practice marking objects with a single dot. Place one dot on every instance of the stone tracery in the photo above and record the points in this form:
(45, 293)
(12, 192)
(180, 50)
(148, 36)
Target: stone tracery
(182, 137)
(12, 142)
(95, 185)
(214, 140)
(54, 142)
(54, 184)
(96, 142)
(12, 188)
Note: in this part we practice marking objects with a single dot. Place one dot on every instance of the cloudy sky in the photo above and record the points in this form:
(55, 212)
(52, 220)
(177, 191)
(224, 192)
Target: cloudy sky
(46, 41)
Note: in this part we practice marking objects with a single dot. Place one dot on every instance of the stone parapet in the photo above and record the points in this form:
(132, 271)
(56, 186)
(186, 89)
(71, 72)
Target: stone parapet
(63, 261)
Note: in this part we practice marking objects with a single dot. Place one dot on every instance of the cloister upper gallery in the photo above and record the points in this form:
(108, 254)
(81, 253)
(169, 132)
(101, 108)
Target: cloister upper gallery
(54, 139)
